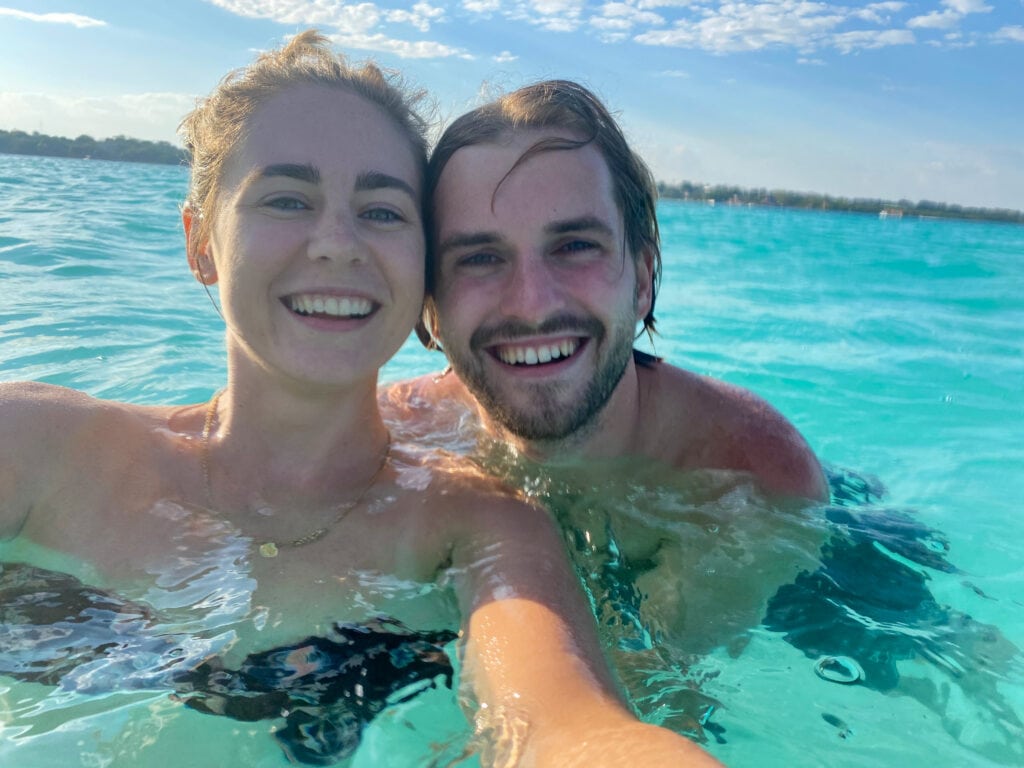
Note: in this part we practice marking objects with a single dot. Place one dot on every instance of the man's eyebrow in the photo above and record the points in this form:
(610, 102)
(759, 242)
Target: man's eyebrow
(581, 224)
(299, 171)
(371, 180)
(467, 240)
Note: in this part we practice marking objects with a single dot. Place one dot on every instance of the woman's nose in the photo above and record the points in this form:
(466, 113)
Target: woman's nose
(336, 238)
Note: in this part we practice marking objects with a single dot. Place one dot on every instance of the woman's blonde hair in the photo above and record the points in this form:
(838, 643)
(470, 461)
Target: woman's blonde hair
(219, 121)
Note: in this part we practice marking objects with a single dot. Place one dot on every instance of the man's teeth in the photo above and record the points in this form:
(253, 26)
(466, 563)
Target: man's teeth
(543, 353)
(330, 305)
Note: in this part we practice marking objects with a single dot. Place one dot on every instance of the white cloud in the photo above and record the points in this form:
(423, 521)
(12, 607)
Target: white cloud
(505, 57)
(935, 20)
(553, 15)
(623, 17)
(674, 73)
(964, 7)
(949, 18)
(405, 49)
(150, 116)
(847, 42)
(419, 16)
(750, 27)
(360, 17)
(1013, 34)
(877, 13)
(482, 6)
(644, 4)
(356, 25)
(73, 19)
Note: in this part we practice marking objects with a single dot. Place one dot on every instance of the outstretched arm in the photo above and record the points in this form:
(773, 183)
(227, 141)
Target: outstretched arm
(532, 661)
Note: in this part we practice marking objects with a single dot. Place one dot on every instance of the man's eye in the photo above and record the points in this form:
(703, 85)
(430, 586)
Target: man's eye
(577, 248)
(479, 259)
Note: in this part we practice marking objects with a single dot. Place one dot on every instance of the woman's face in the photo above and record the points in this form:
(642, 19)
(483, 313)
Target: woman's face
(317, 238)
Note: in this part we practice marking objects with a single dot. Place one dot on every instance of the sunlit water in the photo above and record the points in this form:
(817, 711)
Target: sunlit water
(895, 346)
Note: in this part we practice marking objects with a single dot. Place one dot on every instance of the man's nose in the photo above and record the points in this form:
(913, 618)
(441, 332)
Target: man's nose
(336, 237)
(532, 293)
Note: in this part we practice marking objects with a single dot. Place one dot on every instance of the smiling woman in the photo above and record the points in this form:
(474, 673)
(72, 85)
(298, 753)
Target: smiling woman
(272, 553)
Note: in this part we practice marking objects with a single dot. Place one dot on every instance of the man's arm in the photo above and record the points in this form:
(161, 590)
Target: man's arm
(532, 660)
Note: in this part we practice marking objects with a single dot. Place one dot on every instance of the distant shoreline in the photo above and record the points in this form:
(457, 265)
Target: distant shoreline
(124, 149)
(119, 148)
(721, 194)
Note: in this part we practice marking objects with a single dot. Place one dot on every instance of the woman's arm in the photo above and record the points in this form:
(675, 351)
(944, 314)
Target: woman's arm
(531, 659)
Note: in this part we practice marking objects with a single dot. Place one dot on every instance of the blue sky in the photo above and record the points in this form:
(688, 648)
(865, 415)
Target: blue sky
(892, 99)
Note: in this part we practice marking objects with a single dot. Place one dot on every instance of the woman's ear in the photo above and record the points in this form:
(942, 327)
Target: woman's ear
(199, 259)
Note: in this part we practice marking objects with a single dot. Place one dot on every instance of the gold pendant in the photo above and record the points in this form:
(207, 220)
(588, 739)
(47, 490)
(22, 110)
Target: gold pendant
(268, 549)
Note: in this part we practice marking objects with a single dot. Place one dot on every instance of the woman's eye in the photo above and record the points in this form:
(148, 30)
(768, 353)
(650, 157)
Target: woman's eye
(287, 204)
(382, 214)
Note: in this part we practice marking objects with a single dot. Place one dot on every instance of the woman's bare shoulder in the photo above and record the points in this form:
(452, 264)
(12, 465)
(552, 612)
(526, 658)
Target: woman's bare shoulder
(53, 437)
(33, 411)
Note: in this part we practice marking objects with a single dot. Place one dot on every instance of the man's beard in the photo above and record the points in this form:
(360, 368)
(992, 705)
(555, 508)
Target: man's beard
(547, 417)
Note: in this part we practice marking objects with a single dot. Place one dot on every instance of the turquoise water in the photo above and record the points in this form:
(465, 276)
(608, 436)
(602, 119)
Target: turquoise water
(895, 346)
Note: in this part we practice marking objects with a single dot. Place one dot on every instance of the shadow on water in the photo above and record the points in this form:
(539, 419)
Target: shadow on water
(867, 611)
(849, 584)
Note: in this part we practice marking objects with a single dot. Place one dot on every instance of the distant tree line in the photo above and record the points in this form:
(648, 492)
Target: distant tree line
(116, 148)
(729, 195)
(139, 151)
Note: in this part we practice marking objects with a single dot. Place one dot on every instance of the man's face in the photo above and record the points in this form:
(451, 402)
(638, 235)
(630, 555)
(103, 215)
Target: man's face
(537, 296)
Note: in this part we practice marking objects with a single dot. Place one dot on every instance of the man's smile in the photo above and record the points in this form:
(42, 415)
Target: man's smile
(536, 353)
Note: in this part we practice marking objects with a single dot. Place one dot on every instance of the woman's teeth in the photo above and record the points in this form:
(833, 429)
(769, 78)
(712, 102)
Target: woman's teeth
(347, 306)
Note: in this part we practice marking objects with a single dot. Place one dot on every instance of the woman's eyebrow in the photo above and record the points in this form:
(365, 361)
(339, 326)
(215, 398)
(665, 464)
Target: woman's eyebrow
(299, 171)
(371, 180)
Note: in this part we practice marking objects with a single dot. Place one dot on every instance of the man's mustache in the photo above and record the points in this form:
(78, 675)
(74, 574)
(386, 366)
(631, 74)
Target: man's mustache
(509, 330)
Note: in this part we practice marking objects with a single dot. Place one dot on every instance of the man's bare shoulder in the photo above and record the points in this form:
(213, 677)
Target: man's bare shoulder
(431, 387)
(698, 422)
(427, 408)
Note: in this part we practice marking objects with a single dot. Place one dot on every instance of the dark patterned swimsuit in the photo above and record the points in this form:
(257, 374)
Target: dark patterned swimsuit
(56, 630)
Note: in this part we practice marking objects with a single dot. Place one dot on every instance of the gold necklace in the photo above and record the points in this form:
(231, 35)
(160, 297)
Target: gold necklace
(271, 548)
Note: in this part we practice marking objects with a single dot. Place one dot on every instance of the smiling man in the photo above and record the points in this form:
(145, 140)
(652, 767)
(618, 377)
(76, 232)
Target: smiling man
(545, 261)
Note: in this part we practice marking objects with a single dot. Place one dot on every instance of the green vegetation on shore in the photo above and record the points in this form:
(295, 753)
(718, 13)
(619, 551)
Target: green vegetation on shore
(116, 148)
(162, 152)
(728, 195)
